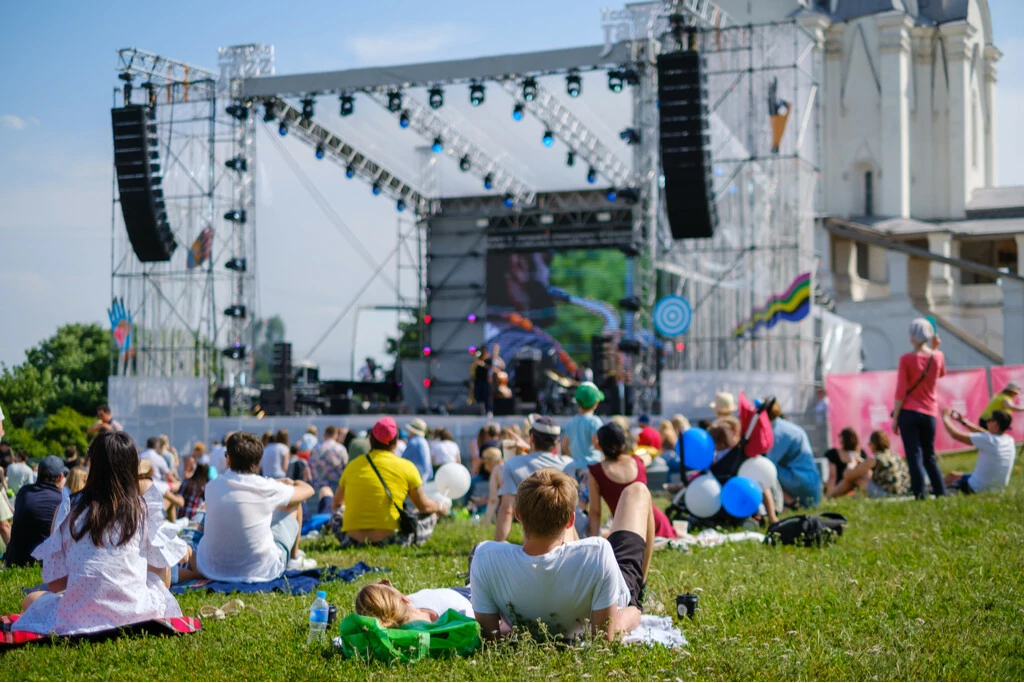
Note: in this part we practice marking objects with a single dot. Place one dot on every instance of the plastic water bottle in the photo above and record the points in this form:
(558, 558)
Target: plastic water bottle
(318, 615)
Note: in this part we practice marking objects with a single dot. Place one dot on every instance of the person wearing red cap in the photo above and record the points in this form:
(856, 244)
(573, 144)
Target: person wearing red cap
(373, 485)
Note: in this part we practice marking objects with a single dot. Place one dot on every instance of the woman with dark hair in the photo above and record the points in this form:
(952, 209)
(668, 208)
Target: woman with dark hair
(106, 564)
(194, 491)
(849, 465)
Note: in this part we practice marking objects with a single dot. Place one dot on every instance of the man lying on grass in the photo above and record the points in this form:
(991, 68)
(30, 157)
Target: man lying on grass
(549, 583)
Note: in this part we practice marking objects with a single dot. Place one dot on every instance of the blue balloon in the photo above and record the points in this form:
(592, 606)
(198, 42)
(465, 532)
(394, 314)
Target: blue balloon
(741, 496)
(698, 449)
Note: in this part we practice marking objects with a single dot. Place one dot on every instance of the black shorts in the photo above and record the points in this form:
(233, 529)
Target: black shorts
(629, 555)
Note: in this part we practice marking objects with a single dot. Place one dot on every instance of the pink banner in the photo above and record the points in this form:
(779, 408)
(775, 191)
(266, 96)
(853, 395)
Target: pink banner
(864, 401)
(1001, 376)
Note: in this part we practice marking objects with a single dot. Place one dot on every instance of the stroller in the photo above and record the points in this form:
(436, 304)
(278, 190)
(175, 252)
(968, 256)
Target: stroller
(757, 439)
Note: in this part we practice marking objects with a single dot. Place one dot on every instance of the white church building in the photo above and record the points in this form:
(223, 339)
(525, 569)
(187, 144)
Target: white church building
(908, 154)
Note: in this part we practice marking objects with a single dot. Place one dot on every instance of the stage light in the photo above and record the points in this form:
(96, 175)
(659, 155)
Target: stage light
(348, 104)
(435, 97)
(476, 94)
(427, 382)
(394, 101)
(400, 206)
(320, 150)
(464, 163)
(426, 350)
(631, 136)
(472, 350)
(307, 108)
(517, 112)
(592, 175)
(471, 318)
(630, 195)
(680, 347)
(403, 120)
(236, 264)
(509, 201)
(350, 171)
(615, 81)
(570, 159)
(548, 139)
(438, 145)
(236, 352)
(427, 319)
(488, 182)
(530, 89)
(630, 76)
(269, 110)
(282, 129)
(235, 216)
(573, 85)
(611, 195)
(238, 111)
(237, 164)
(236, 311)
(375, 189)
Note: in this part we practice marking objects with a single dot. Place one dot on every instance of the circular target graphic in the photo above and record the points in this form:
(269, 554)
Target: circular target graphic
(672, 316)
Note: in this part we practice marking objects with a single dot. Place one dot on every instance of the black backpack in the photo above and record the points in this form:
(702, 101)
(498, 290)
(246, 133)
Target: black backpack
(806, 530)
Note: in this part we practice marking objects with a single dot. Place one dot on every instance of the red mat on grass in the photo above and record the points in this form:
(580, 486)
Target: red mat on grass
(173, 626)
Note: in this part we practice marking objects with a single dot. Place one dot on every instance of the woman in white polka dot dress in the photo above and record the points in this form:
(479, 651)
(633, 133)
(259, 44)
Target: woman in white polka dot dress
(106, 561)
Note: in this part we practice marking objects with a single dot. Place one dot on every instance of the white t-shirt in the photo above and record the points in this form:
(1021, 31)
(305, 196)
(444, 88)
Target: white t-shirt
(160, 468)
(219, 458)
(444, 452)
(519, 467)
(441, 600)
(270, 464)
(996, 454)
(237, 544)
(561, 588)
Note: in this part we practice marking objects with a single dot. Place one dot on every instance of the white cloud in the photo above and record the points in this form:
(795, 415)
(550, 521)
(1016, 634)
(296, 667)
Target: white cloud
(403, 45)
(13, 122)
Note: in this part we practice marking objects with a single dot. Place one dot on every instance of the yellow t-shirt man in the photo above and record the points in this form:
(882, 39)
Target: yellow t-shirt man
(1000, 401)
(367, 506)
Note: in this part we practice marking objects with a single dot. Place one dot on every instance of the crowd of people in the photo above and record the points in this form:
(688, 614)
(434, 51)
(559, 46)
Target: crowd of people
(117, 526)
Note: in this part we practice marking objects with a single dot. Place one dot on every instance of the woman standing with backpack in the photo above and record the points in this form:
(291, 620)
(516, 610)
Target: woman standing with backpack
(917, 408)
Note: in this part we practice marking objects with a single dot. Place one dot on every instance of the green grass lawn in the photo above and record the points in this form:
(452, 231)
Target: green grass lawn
(917, 590)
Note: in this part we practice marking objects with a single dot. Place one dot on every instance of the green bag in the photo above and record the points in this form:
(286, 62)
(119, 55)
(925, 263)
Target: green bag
(452, 633)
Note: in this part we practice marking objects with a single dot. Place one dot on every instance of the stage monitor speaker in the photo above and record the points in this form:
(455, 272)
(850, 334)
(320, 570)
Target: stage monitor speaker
(469, 409)
(137, 164)
(685, 148)
(528, 380)
(277, 402)
(342, 405)
(505, 406)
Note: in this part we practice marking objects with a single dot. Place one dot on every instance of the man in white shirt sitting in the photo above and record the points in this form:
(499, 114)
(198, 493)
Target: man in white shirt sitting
(996, 451)
(160, 468)
(251, 530)
(558, 585)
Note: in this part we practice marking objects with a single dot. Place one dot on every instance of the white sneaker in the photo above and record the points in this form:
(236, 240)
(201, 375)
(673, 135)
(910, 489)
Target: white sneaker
(301, 563)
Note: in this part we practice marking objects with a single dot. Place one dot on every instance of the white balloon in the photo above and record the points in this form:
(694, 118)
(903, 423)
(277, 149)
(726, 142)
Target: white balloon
(453, 480)
(703, 496)
(760, 469)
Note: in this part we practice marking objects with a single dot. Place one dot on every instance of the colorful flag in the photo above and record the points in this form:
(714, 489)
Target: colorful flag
(199, 252)
(793, 305)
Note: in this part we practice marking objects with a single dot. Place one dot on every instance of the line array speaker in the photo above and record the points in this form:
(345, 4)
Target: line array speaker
(137, 162)
(685, 148)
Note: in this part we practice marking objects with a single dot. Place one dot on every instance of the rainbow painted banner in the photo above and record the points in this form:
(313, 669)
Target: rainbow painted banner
(793, 305)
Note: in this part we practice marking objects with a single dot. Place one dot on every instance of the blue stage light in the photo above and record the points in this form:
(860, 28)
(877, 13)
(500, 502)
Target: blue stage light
(438, 145)
(548, 139)
(517, 112)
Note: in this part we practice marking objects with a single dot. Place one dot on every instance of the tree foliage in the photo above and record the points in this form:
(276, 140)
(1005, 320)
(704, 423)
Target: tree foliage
(266, 333)
(409, 342)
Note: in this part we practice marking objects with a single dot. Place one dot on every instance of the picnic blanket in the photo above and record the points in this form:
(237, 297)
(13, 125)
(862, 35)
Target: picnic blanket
(296, 582)
(655, 630)
(174, 626)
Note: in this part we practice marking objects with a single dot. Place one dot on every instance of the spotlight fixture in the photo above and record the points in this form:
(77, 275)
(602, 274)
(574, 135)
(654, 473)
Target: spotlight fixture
(235, 216)
(611, 195)
(403, 120)
(238, 111)
(509, 200)
(307, 108)
(573, 84)
(628, 194)
(570, 159)
(237, 164)
(320, 150)
(592, 175)
(426, 350)
(471, 318)
(517, 112)
(236, 352)
(488, 182)
(394, 101)
(472, 350)
(400, 205)
(548, 139)
(630, 304)
(282, 129)
(630, 76)
(236, 311)
(269, 110)
(530, 89)
(615, 81)
(427, 382)
(427, 319)
(375, 189)
(476, 94)
(435, 97)
(350, 171)
(438, 145)
(236, 264)
(631, 136)
(348, 104)
(464, 163)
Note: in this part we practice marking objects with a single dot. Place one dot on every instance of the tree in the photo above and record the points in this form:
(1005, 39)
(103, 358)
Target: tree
(409, 342)
(266, 333)
(64, 428)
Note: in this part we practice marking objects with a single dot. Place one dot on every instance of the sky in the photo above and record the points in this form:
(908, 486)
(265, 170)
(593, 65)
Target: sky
(55, 147)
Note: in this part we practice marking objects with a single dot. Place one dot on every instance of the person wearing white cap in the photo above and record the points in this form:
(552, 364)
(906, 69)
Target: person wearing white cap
(916, 406)
(1004, 400)
(724, 404)
(544, 437)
